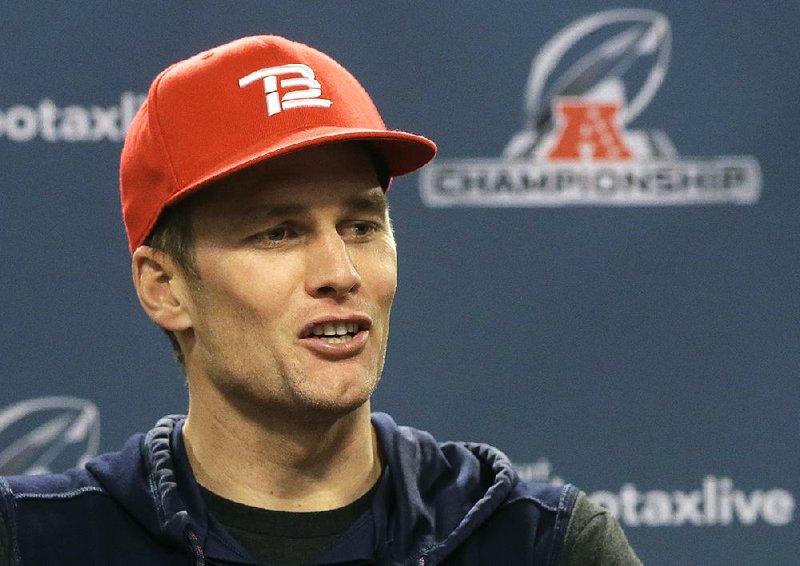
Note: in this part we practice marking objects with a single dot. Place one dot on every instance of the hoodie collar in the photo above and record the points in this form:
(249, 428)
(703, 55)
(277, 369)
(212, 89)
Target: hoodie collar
(431, 497)
(440, 493)
(141, 479)
(152, 479)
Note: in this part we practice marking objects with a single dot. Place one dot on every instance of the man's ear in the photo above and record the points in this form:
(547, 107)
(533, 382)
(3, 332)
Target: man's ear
(162, 289)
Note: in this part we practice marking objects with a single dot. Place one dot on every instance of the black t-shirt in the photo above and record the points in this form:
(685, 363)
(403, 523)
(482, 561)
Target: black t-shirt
(285, 537)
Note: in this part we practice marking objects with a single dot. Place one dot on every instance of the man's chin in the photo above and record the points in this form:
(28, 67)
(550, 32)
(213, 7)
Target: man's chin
(337, 392)
(326, 406)
(314, 397)
(327, 413)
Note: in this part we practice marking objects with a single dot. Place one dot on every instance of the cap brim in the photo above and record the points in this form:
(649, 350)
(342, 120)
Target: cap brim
(401, 152)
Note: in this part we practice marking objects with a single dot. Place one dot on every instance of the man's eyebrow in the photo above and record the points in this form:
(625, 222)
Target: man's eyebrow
(260, 214)
(374, 201)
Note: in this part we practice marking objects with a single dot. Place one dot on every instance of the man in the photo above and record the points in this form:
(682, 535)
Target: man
(253, 185)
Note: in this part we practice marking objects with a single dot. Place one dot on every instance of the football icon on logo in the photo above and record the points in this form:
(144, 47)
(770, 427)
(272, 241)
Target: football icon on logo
(591, 80)
(47, 434)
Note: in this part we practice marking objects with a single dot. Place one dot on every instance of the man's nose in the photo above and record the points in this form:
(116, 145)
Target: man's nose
(330, 271)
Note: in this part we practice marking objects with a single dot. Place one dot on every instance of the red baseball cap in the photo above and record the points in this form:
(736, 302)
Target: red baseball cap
(236, 105)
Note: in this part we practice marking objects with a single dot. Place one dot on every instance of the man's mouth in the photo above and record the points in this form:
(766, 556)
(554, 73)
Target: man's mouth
(336, 332)
(340, 335)
(337, 337)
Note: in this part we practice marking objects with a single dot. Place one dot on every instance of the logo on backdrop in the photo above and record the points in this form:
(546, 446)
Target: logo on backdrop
(715, 502)
(75, 123)
(586, 87)
(308, 95)
(47, 434)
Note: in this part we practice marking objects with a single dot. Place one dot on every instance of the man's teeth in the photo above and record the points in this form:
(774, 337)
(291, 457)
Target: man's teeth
(335, 332)
(337, 339)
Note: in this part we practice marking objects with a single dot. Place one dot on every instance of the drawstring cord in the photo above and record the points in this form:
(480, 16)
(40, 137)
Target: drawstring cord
(197, 550)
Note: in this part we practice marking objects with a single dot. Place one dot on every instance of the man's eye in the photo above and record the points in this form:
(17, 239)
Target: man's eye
(363, 228)
(275, 234)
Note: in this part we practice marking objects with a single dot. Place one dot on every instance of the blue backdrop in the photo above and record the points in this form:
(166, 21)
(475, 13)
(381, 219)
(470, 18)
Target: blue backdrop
(628, 322)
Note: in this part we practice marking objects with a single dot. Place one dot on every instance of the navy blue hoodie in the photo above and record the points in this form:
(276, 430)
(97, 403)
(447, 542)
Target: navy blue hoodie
(436, 503)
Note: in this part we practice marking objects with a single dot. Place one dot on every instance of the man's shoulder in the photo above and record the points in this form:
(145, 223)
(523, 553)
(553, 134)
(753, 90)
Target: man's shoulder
(90, 492)
(83, 479)
(596, 537)
(37, 504)
(555, 498)
(110, 498)
(38, 507)
(486, 510)
(543, 509)
(470, 462)
(71, 483)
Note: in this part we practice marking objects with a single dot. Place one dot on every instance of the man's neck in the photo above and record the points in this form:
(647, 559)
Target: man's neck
(282, 465)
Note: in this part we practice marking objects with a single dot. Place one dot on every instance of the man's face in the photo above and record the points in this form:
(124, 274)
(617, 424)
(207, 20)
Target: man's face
(298, 270)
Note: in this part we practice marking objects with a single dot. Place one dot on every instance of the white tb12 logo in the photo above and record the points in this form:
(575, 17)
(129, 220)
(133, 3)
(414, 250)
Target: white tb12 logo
(303, 89)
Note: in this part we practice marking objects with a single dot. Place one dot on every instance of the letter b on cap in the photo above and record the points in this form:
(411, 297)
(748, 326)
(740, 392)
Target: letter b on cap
(303, 90)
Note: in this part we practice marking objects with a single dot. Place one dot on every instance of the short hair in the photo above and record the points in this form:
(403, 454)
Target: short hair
(173, 235)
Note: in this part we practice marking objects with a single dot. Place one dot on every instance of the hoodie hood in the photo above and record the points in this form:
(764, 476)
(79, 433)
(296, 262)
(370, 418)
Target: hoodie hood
(142, 479)
(431, 498)
(441, 493)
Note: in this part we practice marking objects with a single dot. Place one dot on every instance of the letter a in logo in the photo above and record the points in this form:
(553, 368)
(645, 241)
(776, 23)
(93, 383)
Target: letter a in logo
(589, 130)
(305, 89)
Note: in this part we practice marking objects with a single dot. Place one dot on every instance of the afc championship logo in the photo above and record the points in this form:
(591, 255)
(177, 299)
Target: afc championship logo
(586, 86)
(47, 434)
